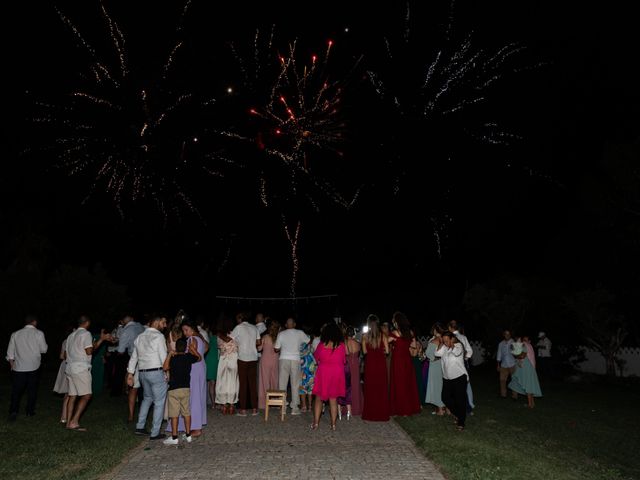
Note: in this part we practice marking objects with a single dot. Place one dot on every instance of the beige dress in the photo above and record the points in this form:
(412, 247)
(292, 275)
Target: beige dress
(228, 384)
(62, 383)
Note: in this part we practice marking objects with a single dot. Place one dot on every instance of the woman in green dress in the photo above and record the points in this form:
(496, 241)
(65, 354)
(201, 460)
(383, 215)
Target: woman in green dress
(211, 360)
(525, 379)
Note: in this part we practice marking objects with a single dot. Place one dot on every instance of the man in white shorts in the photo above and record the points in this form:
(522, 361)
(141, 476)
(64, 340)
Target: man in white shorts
(80, 347)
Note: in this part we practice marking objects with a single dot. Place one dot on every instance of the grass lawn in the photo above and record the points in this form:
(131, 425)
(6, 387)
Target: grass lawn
(576, 432)
(40, 448)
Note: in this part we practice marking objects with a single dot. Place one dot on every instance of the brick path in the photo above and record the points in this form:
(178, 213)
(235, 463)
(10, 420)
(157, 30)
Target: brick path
(249, 448)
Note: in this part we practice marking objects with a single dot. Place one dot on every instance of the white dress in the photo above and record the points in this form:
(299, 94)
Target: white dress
(62, 383)
(227, 384)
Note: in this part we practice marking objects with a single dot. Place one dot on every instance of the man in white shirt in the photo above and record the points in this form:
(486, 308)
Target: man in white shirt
(544, 353)
(26, 346)
(468, 352)
(248, 339)
(454, 377)
(260, 324)
(149, 353)
(80, 347)
(453, 328)
(288, 344)
(506, 363)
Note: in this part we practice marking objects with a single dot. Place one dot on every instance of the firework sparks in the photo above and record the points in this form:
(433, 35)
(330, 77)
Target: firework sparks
(296, 108)
(437, 88)
(449, 85)
(304, 107)
(136, 140)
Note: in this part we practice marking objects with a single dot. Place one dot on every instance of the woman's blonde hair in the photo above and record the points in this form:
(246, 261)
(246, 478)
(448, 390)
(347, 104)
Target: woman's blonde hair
(374, 335)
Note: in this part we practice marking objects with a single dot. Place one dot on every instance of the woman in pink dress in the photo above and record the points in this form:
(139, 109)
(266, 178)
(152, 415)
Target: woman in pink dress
(268, 379)
(329, 382)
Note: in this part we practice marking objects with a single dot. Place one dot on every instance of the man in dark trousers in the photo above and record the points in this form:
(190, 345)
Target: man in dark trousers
(26, 347)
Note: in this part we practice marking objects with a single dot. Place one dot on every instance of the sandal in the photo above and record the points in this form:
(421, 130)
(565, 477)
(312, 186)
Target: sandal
(333, 427)
(314, 426)
(77, 428)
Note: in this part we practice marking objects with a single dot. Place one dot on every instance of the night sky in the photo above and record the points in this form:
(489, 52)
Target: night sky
(535, 207)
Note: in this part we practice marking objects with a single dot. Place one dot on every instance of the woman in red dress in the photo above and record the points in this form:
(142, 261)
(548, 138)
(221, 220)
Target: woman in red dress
(329, 382)
(376, 392)
(403, 396)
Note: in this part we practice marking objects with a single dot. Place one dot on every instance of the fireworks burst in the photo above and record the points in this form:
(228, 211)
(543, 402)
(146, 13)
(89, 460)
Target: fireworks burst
(135, 139)
(446, 86)
(294, 107)
(296, 119)
(436, 92)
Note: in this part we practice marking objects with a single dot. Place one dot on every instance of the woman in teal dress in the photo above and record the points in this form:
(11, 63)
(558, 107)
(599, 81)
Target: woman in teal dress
(211, 360)
(97, 367)
(525, 379)
(308, 368)
(434, 385)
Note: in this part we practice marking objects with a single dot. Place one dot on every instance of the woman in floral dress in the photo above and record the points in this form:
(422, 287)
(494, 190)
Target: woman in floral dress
(308, 367)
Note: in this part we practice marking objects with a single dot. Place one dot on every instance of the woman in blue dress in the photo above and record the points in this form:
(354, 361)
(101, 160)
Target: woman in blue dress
(434, 385)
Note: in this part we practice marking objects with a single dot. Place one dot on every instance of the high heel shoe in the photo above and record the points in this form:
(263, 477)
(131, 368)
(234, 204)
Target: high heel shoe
(314, 426)
(348, 416)
(339, 413)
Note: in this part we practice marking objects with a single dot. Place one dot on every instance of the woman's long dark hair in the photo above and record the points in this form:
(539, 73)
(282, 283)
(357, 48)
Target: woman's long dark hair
(402, 324)
(224, 326)
(437, 328)
(332, 333)
(191, 324)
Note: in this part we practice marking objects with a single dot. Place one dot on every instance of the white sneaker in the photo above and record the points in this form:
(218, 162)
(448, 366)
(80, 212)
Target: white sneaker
(188, 438)
(170, 441)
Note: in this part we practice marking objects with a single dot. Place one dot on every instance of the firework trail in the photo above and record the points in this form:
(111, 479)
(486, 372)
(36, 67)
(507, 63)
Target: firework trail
(135, 139)
(292, 237)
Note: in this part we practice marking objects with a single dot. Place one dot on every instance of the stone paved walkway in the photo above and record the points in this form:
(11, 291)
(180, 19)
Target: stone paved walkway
(249, 448)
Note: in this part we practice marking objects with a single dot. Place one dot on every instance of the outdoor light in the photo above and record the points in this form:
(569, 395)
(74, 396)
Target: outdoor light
(365, 329)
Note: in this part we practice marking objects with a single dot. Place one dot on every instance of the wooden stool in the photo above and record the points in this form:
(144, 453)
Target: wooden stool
(276, 398)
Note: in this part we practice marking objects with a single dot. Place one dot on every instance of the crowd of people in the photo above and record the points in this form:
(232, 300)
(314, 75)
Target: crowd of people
(177, 368)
